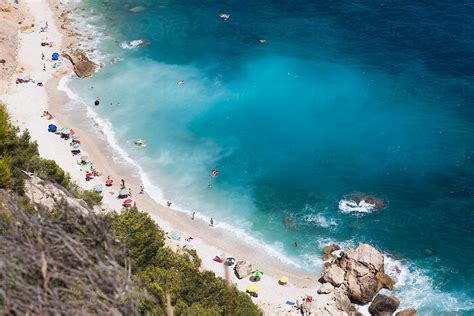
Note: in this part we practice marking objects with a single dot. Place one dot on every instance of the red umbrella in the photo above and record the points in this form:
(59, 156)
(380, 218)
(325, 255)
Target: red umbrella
(89, 175)
(127, 202)
(109, 182)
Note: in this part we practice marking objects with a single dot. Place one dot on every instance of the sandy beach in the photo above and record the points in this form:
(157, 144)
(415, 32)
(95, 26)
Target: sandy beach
(26, 104)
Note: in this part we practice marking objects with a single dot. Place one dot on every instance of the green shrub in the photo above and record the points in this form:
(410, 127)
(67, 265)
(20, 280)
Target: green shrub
(5, 174)
(91, 198)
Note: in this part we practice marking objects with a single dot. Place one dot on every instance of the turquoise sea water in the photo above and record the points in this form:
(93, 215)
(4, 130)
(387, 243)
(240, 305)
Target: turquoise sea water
(373, 97)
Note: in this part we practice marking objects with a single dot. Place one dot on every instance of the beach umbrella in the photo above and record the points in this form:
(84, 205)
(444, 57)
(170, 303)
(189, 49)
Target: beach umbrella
(98, 188)
(176, 235)
(55, 56)
(188, 246)
(84, 158)
(74, 137)
(52, 128)
(109, 182)
(252, 288)
(65, 130)
(76, 146)
(283, 280)
(127, 202)
(72, 132)
(257, 274)
(230, 261)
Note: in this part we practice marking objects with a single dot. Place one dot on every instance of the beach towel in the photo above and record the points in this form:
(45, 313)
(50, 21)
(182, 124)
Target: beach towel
(290, 303)
(218, 259)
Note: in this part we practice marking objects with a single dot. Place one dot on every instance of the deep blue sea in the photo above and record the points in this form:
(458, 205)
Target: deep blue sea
(345, 96)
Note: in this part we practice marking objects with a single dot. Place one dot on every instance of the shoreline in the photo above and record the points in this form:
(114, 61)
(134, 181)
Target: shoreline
(208, 242)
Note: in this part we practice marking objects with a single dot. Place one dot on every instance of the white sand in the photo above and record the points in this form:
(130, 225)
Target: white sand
(26, 103)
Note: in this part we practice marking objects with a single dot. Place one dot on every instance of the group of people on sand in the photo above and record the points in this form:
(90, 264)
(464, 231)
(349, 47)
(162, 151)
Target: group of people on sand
(48, 115)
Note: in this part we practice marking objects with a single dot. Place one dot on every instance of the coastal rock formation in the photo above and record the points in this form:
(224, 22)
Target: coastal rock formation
(328, 250)
(334, 275)
(407, 312)
(83, 66)
(50, 195)
(326, 288)
(243, 269)
(384, 304)
(359, 272)
(375, 201)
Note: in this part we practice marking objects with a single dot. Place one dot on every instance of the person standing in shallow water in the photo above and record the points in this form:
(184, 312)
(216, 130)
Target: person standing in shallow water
(193, 216)
(211, 222)
(97, 101)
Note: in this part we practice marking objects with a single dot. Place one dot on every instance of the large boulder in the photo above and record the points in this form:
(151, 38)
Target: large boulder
(361, 290)
(334, 275)
(328, 250)
(83, 66)
(407, 312)
(326, 288)
(385, 281)
(383, 304)
(243, 269)
(365, 254)
(364, 277)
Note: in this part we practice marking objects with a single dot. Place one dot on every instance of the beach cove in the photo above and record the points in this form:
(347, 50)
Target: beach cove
(103, 140)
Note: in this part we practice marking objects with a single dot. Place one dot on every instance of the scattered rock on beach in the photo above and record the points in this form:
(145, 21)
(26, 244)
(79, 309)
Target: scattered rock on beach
(384, 304)
(83, 66)
(243, 269)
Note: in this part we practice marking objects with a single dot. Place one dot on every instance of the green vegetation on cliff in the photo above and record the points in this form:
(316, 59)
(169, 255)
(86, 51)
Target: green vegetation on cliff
(67, 261)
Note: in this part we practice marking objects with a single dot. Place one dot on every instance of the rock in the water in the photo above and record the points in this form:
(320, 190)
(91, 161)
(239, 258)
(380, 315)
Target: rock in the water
(243, 269)
(334, 275)
(328, 250)
(407, 312)
(326, 288)
(383, 304)
(385, 281)
(83, 66)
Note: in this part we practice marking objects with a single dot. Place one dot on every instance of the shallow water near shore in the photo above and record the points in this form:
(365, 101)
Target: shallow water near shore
(374, 98)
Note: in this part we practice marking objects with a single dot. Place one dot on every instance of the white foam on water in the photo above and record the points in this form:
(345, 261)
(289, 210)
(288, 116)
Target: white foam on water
(350, 206)
(320, 220)
(132, 44)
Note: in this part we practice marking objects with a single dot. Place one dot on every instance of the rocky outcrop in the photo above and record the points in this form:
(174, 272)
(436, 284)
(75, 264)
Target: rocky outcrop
(50, 195)
(83, 66)
(334, 275)
(407, 312)
(326, 288)
(375, 201)
(384, 304)
(243, 269)
(358, 272)
(328, 250)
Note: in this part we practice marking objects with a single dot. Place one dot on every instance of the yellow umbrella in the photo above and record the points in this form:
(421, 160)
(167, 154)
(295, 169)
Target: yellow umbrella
(252, 288)
(283, 280)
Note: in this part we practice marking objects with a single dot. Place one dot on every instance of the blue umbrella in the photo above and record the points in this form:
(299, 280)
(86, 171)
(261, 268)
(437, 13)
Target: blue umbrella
(52, 128)
(55, 56)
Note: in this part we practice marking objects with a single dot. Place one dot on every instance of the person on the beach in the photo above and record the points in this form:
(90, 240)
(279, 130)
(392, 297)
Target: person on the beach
(141, 189)
(123, 183)
(42, 56)
(168, 203)
(193, 216)
(211, 222)
(44, 67)
(97, 101)
(129, 192)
